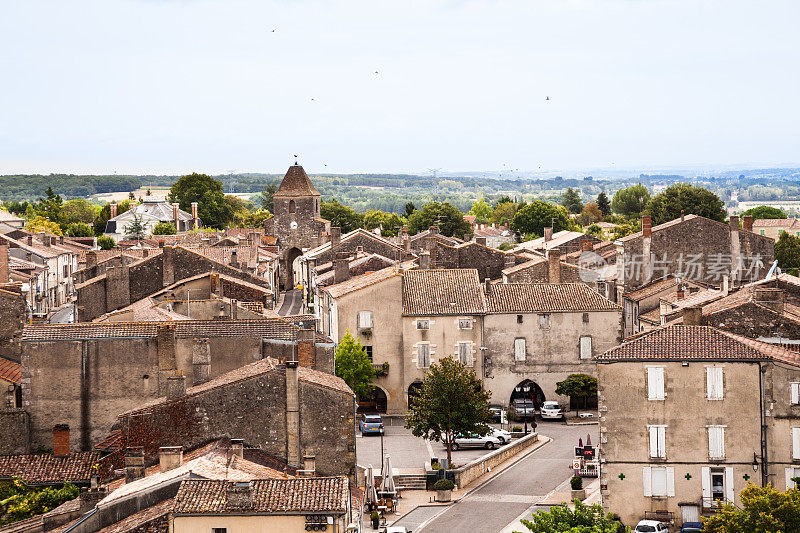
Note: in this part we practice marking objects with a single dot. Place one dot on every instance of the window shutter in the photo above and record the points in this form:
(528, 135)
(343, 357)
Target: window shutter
(714, 383)
(653, 441)
(655, 383)
(586, 347)
(670, 481)
(519, 349)
(662, 442)
(647, 481)
(794, 391)
(795, 443)
(729, 484)
(789, 473)
(706, 483)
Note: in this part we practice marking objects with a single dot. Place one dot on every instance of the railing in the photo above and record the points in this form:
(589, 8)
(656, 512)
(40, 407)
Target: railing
(712, 505)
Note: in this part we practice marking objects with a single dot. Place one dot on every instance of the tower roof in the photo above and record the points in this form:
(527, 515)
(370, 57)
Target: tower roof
(296, 183)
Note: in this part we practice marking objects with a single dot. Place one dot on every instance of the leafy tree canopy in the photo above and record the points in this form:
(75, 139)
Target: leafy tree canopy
(80, 229)
(562, 519)
(690, 199)
(106, 243)
(135, 229)
(578, 385)
(763, 509)
(571, 200)
(604, 204)
(449, 219)
(214, 210)
(631, 202)
(482, 211)
(23, 501)
(50, 206)
(787, 252)
(390, 223)
(104, 214)
(164, 228)
(77, 211)
(450, 402)
(353, 365)
(251, 219)
(341, 215)
(409, 208)
(537, 215)
(265, 197)
(40, 223)
(503, 214)
(590, 214)
(765, 211)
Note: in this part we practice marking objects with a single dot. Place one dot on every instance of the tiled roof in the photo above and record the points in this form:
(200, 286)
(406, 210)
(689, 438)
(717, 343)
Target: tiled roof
(442, 292)
(299, 495)
(296, 183)
(698, 298)
(5, 216)
(776, 223)
(545, 297)
(651, 289)
(38, 469)
(10, 370)
(653, 316)
(705, 343)
(559, 238)
(145, 517)
(314, 252)
(365, 280)
(665, 225)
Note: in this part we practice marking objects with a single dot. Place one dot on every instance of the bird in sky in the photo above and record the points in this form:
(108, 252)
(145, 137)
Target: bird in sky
(547, 99)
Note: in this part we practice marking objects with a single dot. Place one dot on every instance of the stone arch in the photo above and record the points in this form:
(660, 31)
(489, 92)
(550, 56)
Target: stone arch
(291, 257)
(529, 390)
(413, 389)
(377, 402)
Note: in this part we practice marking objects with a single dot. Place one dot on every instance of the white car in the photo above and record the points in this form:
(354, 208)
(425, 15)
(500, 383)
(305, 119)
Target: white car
(476, 441)
(650, 526)
(397, 529)
(502, 435)
(551, 411)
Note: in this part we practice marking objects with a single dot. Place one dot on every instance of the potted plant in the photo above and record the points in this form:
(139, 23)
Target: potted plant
(578, 492)
(376, 520)
(443, 488)
(367, 332)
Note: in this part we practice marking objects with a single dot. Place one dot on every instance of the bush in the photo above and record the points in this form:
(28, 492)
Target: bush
(444, 484)
(106, 243)
(436, 466)
(375, 515)
(576, 482)
(164, 228)
(80, 230)
(511, 414)
(516, 429)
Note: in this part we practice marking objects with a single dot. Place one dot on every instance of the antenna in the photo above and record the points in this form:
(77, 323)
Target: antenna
(231, 181)
(433, 171)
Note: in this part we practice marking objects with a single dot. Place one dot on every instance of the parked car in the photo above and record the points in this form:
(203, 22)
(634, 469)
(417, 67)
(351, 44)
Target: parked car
(371, 425)
(650, 526)
(496, 413)
(524, 409)
(692, 527)
(502, 435)
(551, 411)
(476, 441)
(396, 529)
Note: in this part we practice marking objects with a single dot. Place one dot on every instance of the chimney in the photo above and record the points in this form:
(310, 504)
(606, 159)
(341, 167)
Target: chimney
(237, 448)
(167, 266)
(45, 238)
(434, 230)
(234, 259)
(169, 457)
(425, 260)
(91, 259)
(201, 360)
(587, 245)
(145, 253)
(60, 239)
(306, 348)
(134, 463)
(160, 243)
(481, 240)
(61, 440)
(89, 496)
(176, 216)
(772, 298)
(548, 234)
(647, 227)
(554, 266)
(240, 495)
(747, 222)
(292, 414)
(30, 240)
(112, 208)
(406, 240)
(693, 316)
(680, 294)
(336, 236)
(734, 222)
(4, 263)
(309, 463)
(341, 267)
(682, 216)
(176, 386)
(487, 285)
(725, 285)
(195, 218)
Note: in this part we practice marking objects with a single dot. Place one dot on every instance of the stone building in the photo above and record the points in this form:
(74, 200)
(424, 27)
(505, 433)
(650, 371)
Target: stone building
(689, 416)
(641, 306)
(150, 212)
(296, 223)
(773, 227)
(564, 241)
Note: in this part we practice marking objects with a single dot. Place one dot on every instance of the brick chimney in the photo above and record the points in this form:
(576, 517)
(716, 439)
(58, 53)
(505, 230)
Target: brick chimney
(240, 495)
(309, 463)
(176, 386)
(548, 234)
(237, 448)
(336, 236)
(647, 227)
(201, 360)
(4, 263)
(771, 298)
(112, 209)
(306, 348)
(195, 217)
(406, 240)
(169, 457)
(554, 266)
(61, 440)
(176, 216)
(747, 222)
(45, 238)
(341, 267)
(134, 463)
(693, 316)
(587, 245)
(734, 222)
(680, 294)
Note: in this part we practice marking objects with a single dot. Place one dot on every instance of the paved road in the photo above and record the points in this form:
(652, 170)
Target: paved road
(501, 500)
(292, 303)
(62, 316)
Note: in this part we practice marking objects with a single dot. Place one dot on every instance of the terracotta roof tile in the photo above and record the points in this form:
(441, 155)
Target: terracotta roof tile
(545, 297)
(776, 223)
(442, 292)
(651, 289)
(365, 280)
(39, 469)
(10, 370)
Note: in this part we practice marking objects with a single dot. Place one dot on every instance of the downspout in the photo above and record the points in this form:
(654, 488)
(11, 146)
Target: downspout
(762, 401)
(483, 355)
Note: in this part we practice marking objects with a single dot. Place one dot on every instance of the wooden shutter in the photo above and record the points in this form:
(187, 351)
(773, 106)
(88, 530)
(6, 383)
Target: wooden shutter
(789, 473)
(586, 347)
(655, 383)
(670, 481)
(729, 484)
(714, 383)
(662, 441)
(653, 441)
(796, 443)
(705, 480)
(658, 479)
(647, 477)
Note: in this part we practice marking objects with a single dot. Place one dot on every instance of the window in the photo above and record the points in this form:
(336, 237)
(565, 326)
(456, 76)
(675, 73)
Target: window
(585, 318)
(423, 323)
(714, 383)
(791, 472)
(761, 232)
(796, 443)
(423, 355)
(716, 442)
(219, 530)
(519, 349)
(465, 353)
(658, 443)
(368, 349)
(364, 319)
(586, 347)
(292, 206)
(655, 383)
(519, 319)
(658, 481)
(544, 321)
(794, 393)
(464, 323)
(717, 485)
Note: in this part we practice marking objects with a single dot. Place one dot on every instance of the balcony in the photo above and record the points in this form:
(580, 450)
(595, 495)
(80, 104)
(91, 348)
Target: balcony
(381, 370)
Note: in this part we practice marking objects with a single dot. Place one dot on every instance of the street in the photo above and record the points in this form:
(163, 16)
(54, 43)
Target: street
(501, 500)
(292, 303)
(63, 315)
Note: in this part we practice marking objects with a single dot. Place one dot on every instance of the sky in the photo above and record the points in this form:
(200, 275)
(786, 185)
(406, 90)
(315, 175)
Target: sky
(217, 86)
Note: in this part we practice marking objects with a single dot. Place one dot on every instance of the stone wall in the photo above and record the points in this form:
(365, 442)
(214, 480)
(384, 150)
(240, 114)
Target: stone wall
(13, 314)
(475, 469)
(14, 432)
(370, 245)
(489, 261)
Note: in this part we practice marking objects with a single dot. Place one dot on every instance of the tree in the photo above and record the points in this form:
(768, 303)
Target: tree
(572, 201)
(449, 219)
(104, 214)
(590, 214)
(409, 209)
(562, 519)
(214, 210)
(164, 228)
(106, 243)
(579, 386)
(135, 229)
(764, 211)
(353, 365)
(341, 215)
(50, 206)
(503, 214)
(537, 215)
(265, 197)
(482, 211)
(763, 509)
(77, 211)
(630, 202)
(595, 230)
(390, 223)
(686, 198)
(787, 252)
(251, 219)
(80, 230)
(604, 204)
(450, 402)
(40, 223)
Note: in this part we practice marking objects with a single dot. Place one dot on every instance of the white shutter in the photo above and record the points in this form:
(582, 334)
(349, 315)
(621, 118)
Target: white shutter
(716, 442)
(714, 383)
(705, 480)
(655, 383)
(662, 442)
(647, 481)
(364, 319)
(519, 349)
(653, 441)
(670, 481)
(658, 478)
(586, 347)
(789, 472)
(794, 392)
(795, 443)
(729, 484)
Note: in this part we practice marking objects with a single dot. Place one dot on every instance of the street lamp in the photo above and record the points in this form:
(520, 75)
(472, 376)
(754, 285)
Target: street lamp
(755, 462)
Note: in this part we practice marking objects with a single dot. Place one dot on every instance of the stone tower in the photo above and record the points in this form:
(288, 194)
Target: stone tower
(297, 223)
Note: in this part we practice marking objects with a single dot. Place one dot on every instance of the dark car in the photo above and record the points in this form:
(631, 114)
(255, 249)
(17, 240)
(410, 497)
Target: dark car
(692, 527)
(524, 409)
(371, 425)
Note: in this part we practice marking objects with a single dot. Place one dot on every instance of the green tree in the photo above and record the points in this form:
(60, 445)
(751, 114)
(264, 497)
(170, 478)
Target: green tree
(537, 215)
(341, 215)
(106, 243)
(135, 229)
(40, 223)
(353, 365)
(164, 228)
(571, 200)
(562, 519)
(763, 509)
(449, 219)
(251, 219)
(450, 402)
(765, 211)
(80, 229)
(390, 223)
(23, 501)
(409, 209)
(581, 386)
(630, 202)
(50, 206)
(482, 211)
(104, 214)
(604, 204)
(214, 210)
(595, 230)
(504, 212)
(590, 214)
(690, 199)
(787, 252)
(265, 197)
(77, 211)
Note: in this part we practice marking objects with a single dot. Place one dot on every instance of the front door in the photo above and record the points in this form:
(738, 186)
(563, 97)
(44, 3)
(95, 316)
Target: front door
(690, 513)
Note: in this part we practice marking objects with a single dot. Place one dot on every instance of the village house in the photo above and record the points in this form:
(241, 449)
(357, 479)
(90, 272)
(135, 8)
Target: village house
(564, 241)
(773, 227)
(148, 213)
(641, 306)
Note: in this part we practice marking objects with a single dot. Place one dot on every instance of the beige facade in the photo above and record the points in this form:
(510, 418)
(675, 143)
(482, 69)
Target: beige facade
(233, 523)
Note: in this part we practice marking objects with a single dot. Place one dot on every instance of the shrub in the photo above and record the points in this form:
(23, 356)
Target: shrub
(164, 228)
(576, 482)
(375, 515)
(436, 466)
(106, 243)
(444, 484)
(516, 429)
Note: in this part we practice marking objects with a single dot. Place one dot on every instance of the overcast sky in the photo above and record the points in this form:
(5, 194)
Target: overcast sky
(171, 86)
